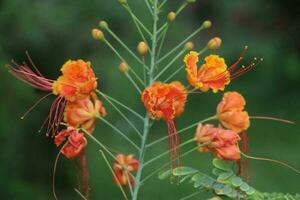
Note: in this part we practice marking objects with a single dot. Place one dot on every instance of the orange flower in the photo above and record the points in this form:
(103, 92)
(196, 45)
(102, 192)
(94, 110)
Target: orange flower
(78, 80)
(211, 75)
(221, 142)
(230, 112)
(76, 142)
(83, 113)
(164, 101)
(123, 165)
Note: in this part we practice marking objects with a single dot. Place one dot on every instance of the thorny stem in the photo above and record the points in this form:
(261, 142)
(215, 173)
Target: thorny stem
(146, 119)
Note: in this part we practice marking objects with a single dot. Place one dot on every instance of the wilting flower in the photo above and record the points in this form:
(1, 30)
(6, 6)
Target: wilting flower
(75, 142)
(166, 101)
(78, 80)
(231, 114)
(223, 143)
(83, 113)
(123, 167)
(211, 75)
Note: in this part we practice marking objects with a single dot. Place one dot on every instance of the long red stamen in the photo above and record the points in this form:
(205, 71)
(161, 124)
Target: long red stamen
(33, 78)
(55, 115)
(243, 165)
(174, 143)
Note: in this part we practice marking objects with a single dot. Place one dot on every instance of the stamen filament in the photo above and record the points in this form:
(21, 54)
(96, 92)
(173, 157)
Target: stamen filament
(272, 160)
(273, 119)
(182, 130)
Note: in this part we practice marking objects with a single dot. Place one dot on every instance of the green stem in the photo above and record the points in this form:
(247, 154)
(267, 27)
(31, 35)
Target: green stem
(124, 117)
(167, 152)
(124, 45)
(133, 83)
(121, 104)
(118, 131)
(169, 64)
(123, 60)
(112, 171)
(180, 44)
(182, 130)
(147, 125)
(191, 195)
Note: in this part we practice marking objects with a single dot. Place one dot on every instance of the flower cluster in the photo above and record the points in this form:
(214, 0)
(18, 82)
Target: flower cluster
(76, 103)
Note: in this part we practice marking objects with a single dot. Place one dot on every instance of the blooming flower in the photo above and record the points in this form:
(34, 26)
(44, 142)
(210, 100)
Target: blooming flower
(78, 80)
(230, 112)
(211, 75)
(221, 142)
(166, 101)
(83, 113)
(75, 142)
(123, 166)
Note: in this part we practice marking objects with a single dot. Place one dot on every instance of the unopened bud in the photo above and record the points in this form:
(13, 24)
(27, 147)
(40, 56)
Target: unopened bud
(171, 16)
(142, 48)
(123, 67)
(189, 46)
(97, 34)
(123, 2)
(191, 1)
(206, 24)
(103, 25)
(214, 43)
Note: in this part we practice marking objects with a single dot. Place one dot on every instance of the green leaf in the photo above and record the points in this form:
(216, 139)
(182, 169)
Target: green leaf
(185, 178)
(164, 174)
(224, 176)
(244, 187)
(203, 180)
(217, 171)
(183, 171)
(250, 191)
(222, 164)
(236, 181)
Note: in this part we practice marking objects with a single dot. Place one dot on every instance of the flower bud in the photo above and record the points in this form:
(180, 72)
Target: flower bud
(171, 16)
(97, 34)
(142, 48)
(189, 46)
(103, 25)
(123, 67)
(191, 1)
(206, 24)
(214, 43)
(123, 2)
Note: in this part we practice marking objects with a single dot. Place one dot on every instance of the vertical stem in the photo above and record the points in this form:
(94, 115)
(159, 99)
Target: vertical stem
(85, 176)
(146, 119)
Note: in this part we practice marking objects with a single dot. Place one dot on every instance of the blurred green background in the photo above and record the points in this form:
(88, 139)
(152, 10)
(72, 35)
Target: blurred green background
(54, 31)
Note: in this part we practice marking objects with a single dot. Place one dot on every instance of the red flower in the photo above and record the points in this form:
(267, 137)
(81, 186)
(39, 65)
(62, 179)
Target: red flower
(74, 145)
(223, 143)
(123, 166)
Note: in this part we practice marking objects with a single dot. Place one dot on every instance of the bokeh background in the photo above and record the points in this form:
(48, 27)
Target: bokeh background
(54, 31)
